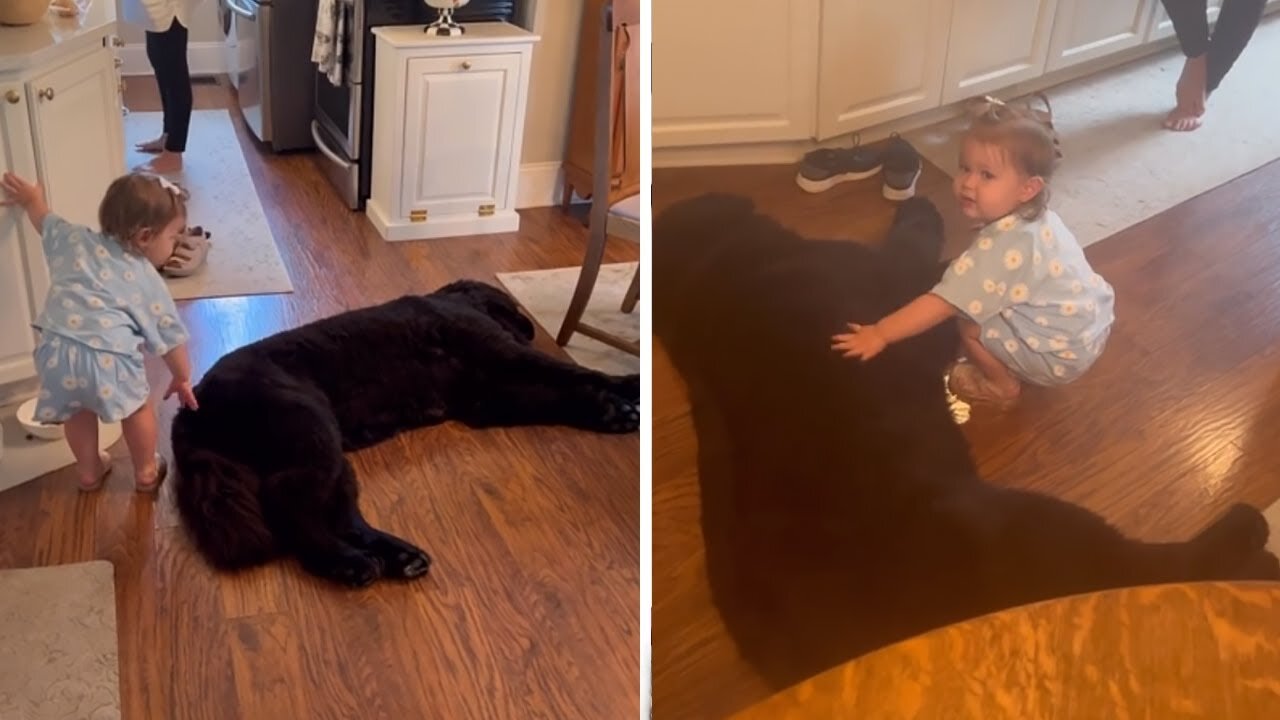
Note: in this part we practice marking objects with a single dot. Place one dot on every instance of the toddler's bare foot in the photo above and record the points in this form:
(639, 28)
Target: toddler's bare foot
(163, 164)
(969, 384)
(151, 146)
(148, 476)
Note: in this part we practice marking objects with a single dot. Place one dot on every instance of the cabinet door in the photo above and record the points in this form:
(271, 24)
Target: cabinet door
(1088, 29)
(459, 128)
(733, 71)
(1163, 28)
(880, 61)
(19, 244)
(994, 44)
(78, 130)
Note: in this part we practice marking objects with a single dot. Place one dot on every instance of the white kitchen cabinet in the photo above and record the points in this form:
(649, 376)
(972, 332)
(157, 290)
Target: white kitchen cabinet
(448, 130)
(1162, 27)
(19, 244)
(879, 61)
(61, 125)
(1088, 29)
(994, 44)
(737, 71)
(78, 129)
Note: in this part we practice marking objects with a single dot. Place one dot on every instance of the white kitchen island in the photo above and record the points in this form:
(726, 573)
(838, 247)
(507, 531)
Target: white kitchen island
(60, 122)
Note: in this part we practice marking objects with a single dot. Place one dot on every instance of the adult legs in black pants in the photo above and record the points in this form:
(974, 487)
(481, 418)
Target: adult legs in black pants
(1209, 57)
(167, 52)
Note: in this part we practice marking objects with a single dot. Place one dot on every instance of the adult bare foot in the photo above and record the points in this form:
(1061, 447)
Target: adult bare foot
(163, 164)
(1191, 94)
(1183, 120)
(151, 146)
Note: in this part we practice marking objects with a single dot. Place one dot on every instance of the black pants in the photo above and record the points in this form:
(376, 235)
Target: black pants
(1236, 22)
(167, 52)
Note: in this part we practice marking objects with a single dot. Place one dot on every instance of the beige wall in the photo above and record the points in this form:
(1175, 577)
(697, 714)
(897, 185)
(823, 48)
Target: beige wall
(550, 86)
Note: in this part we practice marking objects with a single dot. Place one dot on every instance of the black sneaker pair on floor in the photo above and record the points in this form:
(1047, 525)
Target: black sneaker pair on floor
(897, 160)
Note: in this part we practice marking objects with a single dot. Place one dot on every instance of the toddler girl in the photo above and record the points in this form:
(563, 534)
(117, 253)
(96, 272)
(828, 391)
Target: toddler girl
(1031, 308)
(105, 299)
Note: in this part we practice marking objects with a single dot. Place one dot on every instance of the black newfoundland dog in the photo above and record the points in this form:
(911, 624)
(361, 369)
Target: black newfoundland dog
(260, 470)
(841, 508)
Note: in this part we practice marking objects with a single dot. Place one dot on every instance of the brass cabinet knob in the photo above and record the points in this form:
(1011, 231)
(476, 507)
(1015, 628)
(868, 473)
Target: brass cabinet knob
(13, 97)
(466, 64)
(46, 93)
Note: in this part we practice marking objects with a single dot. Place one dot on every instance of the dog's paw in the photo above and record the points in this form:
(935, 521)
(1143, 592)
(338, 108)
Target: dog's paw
(1239, 534)
(353, 569)
(619, 416)
(407, 563)
(628, 386)
(1262, 565)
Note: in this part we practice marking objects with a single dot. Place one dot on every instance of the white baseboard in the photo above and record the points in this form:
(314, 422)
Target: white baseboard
(540, 186)
(204, 58)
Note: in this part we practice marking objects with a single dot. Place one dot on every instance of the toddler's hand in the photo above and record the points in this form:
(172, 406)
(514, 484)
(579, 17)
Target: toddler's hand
(20, 192)
(186, 395)
(865, 342)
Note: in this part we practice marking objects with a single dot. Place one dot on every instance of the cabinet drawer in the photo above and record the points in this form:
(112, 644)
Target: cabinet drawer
(459, 125)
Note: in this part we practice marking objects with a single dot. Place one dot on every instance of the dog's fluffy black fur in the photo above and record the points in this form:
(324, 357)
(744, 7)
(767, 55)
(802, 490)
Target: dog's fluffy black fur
(260, 470)
(841, 507)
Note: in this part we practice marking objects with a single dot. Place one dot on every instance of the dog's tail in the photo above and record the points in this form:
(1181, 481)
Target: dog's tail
(217, 499)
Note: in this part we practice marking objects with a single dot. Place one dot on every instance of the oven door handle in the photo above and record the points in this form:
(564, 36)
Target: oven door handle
(324, 149)
(235, 7)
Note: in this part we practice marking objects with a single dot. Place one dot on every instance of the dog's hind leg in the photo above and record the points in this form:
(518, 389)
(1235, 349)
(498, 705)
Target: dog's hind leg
(532, 388)
(577, 406)
(310, 514)
(400, 559)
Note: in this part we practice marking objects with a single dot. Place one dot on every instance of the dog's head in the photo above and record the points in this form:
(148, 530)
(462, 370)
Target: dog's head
(493, 302)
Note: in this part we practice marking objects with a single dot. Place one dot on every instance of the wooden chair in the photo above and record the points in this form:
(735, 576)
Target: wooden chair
(619, 44)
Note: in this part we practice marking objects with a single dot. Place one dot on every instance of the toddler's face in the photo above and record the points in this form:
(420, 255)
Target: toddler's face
(158, 246)
(988, 187)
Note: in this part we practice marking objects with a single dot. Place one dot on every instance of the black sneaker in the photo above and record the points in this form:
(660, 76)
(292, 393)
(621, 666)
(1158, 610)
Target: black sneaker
(823, 169)
(902, 168)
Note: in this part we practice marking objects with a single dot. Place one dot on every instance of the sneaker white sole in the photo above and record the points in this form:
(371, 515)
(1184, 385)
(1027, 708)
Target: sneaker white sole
(817, 186)
(892, 193)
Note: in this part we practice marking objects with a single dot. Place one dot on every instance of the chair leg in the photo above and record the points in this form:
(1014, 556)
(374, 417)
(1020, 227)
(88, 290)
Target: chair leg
(566, 194)
(633, 292)
(586, 280)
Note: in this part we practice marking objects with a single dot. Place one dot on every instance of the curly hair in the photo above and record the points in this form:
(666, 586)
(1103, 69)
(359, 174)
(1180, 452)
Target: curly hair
(1026, 138)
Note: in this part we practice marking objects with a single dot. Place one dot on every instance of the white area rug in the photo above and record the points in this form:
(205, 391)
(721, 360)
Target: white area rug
(243, 259)
(58, 647)
(545, 295)
(1119, 166)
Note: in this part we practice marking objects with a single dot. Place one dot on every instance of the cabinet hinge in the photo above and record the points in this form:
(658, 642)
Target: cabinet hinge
(417, 215)
(486, 210)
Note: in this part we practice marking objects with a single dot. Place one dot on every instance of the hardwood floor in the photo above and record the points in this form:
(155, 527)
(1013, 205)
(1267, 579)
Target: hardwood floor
(1177, 420)
(530, 609)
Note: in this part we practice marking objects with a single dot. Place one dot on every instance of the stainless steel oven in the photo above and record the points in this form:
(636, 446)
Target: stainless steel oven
(342, 128)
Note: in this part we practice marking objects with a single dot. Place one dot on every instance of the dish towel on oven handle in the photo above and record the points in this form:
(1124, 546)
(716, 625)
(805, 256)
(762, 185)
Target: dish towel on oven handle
(327, 49)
